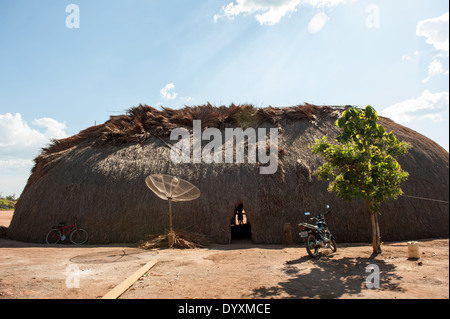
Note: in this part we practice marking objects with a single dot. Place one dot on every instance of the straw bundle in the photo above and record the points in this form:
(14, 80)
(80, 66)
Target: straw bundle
(182, 239)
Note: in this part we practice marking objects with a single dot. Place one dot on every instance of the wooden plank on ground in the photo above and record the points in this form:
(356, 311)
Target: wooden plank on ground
(123, 286)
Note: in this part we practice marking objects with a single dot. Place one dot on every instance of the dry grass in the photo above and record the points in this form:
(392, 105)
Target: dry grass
(183, 240)
(142, 122)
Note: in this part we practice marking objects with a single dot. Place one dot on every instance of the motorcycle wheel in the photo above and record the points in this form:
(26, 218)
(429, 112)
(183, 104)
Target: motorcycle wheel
(332, 245)
(311, 246)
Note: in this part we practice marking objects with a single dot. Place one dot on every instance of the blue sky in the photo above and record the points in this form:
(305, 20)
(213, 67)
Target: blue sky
(58, 77)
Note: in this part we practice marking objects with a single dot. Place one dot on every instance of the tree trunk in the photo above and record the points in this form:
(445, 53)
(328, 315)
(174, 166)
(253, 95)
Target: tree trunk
(376, 237)
(378, 233)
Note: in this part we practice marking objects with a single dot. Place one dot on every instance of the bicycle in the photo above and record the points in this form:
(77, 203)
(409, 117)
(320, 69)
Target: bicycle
(76, 235)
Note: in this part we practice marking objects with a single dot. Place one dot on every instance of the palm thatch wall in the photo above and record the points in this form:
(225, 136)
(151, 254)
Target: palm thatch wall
(98, 176)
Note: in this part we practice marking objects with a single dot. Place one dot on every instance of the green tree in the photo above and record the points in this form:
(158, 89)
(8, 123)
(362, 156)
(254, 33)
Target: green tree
(362, 163)
(11, 197)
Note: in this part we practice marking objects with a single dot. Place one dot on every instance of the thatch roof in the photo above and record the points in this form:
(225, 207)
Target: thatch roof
(98, 176)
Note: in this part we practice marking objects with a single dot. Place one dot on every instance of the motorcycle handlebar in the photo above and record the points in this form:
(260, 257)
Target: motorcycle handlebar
(322, 216)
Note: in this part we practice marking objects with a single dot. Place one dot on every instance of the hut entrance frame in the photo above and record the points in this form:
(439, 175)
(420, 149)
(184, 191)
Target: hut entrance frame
(240, 224)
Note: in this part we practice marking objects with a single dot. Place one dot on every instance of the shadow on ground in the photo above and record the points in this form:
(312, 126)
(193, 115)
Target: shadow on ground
(329, 277)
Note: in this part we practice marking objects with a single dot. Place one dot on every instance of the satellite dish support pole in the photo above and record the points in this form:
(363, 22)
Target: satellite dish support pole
(171, 235)
(170, 215)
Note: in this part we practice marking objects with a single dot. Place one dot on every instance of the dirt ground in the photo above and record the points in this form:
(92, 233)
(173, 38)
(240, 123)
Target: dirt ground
(5, 217)
(241, 270)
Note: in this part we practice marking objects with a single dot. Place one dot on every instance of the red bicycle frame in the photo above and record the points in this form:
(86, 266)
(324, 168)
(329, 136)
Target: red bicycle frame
(66, 230)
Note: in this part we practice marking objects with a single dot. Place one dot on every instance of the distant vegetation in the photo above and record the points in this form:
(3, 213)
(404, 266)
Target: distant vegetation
(8, 202)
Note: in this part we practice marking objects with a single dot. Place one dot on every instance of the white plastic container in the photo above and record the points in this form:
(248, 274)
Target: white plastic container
(413, 250)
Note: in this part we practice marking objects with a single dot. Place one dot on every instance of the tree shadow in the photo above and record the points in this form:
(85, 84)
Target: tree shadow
(329, 277)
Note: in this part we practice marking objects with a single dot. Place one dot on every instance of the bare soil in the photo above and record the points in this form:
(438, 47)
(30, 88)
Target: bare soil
(5, 217)
(241, 270)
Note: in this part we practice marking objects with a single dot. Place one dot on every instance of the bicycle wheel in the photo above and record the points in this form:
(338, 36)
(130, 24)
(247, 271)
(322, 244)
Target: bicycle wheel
(53, 237)
(79, 236)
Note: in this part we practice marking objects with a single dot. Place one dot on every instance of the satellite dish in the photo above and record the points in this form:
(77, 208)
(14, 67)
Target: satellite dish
(172, 189)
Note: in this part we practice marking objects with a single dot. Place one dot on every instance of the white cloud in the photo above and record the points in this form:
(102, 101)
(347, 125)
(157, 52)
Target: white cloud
(318, 22)
(408, 58)
(436, 31)
(435, 68)
(186, 99)
(19, 140)
(15, 164)
(54, 129)
(19, 144)
(270, 12)
(167, 92)
(431, 106)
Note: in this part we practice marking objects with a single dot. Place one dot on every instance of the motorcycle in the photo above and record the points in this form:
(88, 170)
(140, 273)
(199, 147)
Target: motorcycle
(317, 235)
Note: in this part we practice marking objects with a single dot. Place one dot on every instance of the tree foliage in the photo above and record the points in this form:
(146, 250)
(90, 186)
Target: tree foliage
(361, 164)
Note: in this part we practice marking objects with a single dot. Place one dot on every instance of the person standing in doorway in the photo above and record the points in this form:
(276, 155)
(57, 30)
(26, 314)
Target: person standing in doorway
(240, 214)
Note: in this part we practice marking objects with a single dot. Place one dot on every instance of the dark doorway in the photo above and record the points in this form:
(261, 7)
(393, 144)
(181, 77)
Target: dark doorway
(240, 226)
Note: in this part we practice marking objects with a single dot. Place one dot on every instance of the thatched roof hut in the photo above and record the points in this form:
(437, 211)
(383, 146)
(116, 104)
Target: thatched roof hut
(98, 176)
